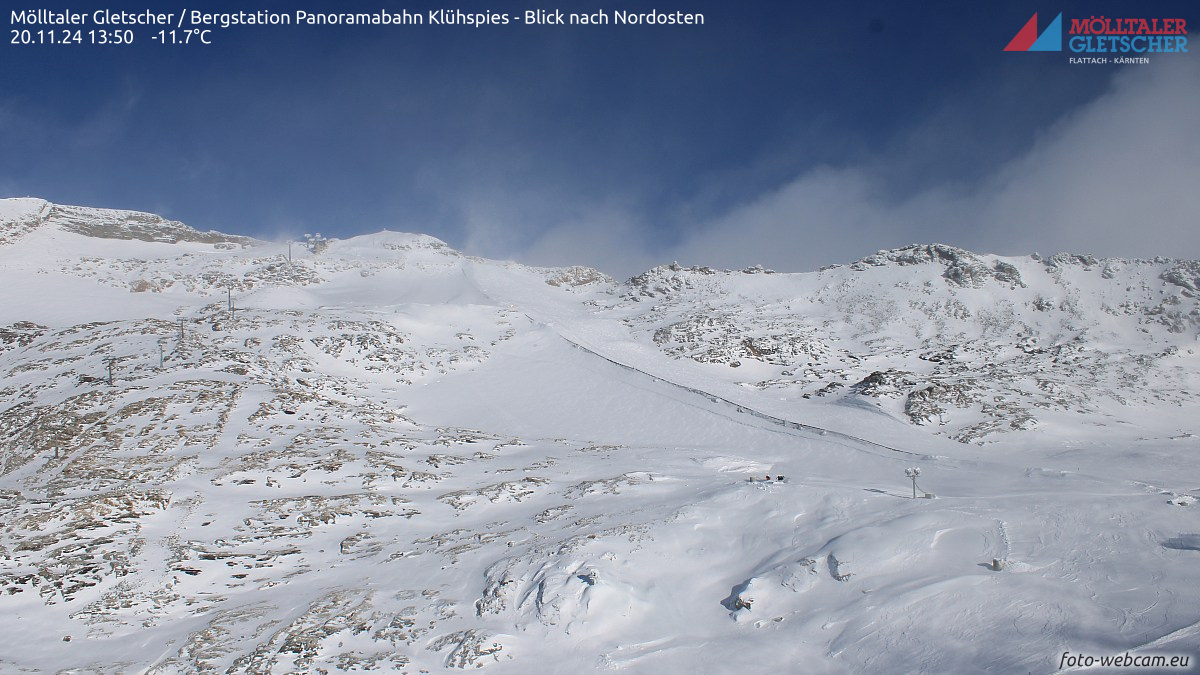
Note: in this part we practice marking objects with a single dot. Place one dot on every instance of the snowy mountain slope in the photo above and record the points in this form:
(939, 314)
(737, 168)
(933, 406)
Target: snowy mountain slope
(393, 456)
(972, 346)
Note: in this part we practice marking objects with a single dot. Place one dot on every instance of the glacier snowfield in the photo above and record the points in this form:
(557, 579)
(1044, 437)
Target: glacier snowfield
(391, 456)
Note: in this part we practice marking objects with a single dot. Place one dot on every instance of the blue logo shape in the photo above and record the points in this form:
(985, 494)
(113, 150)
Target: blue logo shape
(1051, 38)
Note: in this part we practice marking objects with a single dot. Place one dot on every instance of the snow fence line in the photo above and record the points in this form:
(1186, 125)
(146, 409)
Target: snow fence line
(739, 407)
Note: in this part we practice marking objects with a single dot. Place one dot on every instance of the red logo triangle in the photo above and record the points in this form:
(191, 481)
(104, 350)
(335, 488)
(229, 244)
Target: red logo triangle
(1025, 38)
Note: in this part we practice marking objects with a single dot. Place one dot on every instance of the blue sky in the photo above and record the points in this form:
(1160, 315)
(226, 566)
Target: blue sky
(788, 134)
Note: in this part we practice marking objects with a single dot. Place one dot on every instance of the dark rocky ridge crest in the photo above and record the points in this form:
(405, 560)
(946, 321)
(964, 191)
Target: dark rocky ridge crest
(35, 214)
(129, 225)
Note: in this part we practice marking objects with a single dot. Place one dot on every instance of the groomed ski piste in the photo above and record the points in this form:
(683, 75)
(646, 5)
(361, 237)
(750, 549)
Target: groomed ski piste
(389, 455)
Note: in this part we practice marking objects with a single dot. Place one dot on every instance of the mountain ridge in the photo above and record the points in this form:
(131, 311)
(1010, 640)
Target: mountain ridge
(109, 223)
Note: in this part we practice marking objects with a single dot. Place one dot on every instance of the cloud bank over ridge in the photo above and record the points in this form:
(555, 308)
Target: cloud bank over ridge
(1112, 177)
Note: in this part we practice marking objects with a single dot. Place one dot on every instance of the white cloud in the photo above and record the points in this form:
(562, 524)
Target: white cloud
(554, 230)
(606, 239)
(1114, 177)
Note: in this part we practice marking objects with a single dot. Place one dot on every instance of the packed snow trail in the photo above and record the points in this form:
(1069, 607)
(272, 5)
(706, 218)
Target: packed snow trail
(715, 398)
(738, 407)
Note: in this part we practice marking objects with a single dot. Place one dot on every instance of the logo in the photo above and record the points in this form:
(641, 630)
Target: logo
(1104, 34)
(1028, 40)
